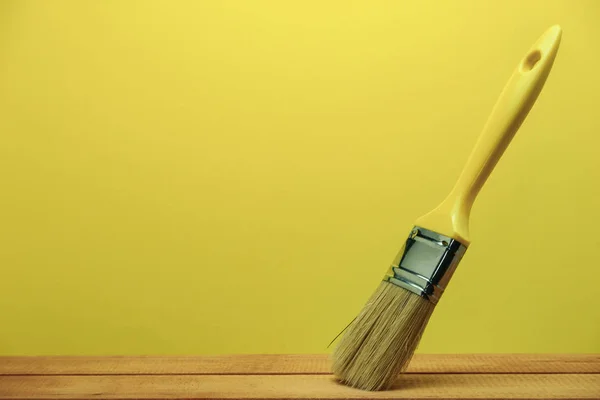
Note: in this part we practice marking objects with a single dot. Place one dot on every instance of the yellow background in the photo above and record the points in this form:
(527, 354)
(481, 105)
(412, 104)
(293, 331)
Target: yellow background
(210, 177)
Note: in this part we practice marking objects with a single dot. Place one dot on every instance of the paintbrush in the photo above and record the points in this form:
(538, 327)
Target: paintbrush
(379, 344)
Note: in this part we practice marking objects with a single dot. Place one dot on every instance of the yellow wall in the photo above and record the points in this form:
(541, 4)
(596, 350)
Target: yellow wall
(235, 177)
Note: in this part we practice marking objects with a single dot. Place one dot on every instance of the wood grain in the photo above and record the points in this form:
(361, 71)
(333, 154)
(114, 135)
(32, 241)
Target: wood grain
(415, 386)
(294, 364)
(307, 377)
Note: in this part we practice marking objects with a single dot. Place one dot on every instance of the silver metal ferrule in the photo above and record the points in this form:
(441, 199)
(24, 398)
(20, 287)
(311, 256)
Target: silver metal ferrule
(426, 263)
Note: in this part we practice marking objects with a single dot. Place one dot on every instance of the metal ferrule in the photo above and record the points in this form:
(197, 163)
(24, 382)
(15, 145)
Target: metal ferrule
(426, 263)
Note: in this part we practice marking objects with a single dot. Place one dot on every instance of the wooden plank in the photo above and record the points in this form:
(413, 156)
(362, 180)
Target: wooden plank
(412, 386)
(293, 364)
(153, 365)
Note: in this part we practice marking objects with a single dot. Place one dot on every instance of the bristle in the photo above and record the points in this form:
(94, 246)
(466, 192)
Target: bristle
(380, 342)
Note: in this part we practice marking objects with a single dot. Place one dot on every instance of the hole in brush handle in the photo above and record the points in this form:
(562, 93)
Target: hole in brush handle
(531, 60)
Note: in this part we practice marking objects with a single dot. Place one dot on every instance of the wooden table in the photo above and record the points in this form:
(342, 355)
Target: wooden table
(296, 377)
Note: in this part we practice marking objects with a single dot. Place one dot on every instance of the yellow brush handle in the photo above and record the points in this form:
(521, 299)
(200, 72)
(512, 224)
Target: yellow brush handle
(451, 217)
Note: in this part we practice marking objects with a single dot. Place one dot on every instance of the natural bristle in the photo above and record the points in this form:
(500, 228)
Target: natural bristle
(380, 342)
